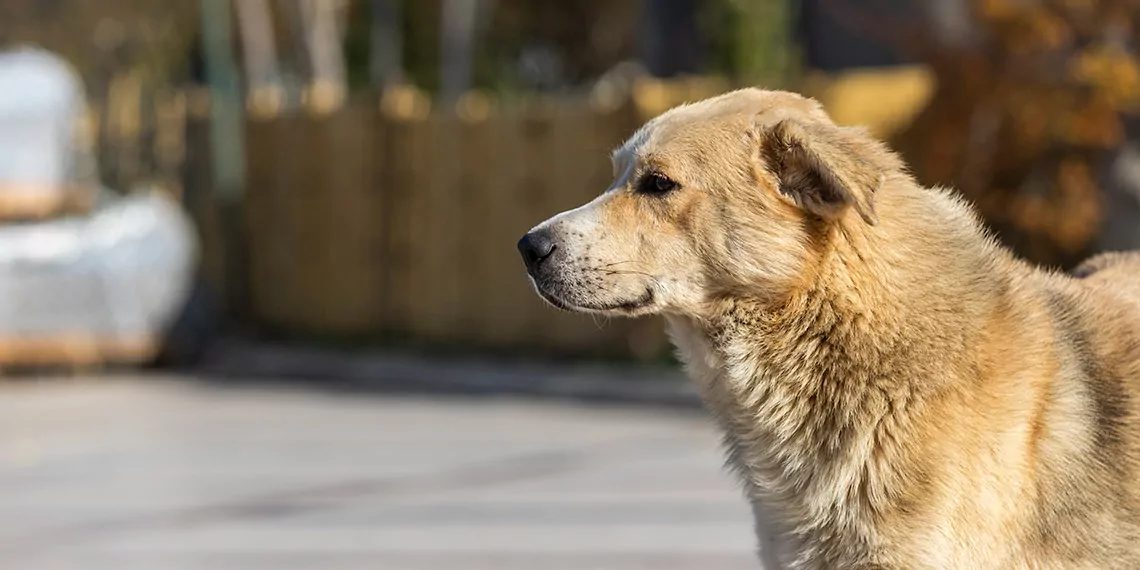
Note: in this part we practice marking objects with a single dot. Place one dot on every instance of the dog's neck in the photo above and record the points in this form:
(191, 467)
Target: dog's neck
(809, 389)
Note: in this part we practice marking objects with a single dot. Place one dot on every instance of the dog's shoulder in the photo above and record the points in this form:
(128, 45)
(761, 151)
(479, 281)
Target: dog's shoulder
(1094, 316)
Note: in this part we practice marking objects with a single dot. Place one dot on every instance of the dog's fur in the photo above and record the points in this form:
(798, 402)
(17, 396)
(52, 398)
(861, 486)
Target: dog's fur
(895, 389)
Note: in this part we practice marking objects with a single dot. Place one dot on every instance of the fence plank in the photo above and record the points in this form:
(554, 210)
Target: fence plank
(435, 241)
(473, 258)
(269, 260)
(300, 203)
(345, 198)
(385, 183)
(406, 142)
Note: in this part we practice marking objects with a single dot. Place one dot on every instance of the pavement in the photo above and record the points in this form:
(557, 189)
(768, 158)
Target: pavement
(388, 371)
(154, 472)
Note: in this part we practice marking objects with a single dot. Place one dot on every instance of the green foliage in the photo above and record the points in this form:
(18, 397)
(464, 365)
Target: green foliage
(749, 40)
(357, 46)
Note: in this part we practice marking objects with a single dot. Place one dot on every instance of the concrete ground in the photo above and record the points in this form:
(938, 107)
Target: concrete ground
(153, 473)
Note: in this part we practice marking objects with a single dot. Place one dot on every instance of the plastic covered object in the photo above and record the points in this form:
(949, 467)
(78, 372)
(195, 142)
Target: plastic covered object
(42, 108)
(121, 273)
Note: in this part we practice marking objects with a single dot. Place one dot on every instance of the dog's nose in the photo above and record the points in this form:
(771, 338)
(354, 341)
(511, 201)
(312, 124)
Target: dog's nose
(535, 247)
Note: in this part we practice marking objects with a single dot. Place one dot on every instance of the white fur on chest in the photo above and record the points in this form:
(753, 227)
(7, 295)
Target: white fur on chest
(702, 363)
(789, 497)
(706, 368)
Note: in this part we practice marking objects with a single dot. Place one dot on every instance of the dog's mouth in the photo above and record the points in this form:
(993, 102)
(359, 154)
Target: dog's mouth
(627, 306)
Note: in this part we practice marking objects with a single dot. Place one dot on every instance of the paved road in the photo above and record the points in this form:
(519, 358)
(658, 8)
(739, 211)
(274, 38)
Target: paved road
(166, 473)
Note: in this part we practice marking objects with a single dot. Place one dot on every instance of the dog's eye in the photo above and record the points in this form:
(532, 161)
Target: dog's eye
(656, 183)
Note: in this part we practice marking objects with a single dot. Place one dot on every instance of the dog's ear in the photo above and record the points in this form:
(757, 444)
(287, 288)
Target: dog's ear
(824, 168)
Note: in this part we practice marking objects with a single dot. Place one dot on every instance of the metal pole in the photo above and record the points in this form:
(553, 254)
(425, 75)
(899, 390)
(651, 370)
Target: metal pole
(227, 149)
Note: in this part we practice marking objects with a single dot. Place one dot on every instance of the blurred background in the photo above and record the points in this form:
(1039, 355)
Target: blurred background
(260, 304)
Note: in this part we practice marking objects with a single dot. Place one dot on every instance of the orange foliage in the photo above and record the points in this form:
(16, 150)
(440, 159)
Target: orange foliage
(1021, 120)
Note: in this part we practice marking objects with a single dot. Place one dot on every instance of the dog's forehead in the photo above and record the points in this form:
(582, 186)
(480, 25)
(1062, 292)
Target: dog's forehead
(679, 128)
(711, 126)
(635, 144)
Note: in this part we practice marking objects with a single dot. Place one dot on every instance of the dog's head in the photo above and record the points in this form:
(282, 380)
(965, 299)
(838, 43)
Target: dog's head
(734, 195)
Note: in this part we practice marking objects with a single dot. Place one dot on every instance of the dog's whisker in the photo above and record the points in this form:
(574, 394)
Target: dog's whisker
(628, 272)
(600, 321)
(604, 270)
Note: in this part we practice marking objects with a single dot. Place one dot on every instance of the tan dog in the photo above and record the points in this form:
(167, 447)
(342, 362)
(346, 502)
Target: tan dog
(895, 389)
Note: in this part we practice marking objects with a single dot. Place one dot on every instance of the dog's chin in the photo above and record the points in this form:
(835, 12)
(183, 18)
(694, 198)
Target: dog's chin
(635, 306)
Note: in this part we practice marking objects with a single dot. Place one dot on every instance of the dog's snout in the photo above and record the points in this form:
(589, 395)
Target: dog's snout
(535, 248)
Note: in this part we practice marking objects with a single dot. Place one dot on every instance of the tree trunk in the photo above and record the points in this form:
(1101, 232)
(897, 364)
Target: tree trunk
(328, 82)
(263, 77)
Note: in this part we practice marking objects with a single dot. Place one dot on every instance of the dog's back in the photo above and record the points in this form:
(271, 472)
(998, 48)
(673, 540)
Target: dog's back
(1110, 285)
(1120, 265)
(1118, 271)
(1096, 321)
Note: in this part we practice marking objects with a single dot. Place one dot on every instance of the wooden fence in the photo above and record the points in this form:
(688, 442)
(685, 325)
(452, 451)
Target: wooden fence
(382, 220)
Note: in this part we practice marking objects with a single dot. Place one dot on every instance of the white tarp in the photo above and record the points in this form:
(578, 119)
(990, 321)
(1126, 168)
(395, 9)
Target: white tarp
(42, 104)
(122, 272)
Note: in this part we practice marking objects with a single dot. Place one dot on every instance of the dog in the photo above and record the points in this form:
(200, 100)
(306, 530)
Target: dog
(895, 389)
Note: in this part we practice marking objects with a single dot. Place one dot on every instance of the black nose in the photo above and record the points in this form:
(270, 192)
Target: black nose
(535, 247)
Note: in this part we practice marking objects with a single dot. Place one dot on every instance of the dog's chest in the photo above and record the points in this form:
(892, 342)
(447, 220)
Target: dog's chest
(739, 388)
(706, 366)
(769, 439)
(730, 385)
